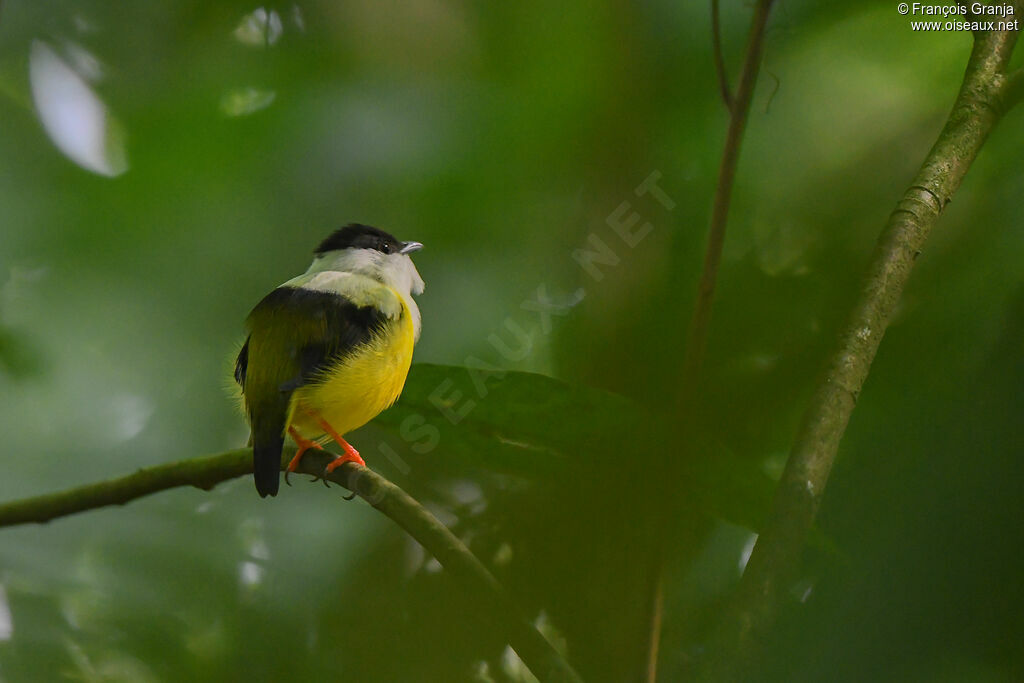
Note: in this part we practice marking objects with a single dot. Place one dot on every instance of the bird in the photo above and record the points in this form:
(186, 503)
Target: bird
(329, 350)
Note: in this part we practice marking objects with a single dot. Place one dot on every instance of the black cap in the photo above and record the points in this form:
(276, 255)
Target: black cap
(357, 236)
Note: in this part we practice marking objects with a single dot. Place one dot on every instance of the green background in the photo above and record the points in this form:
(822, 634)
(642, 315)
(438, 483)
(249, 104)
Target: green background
(503, 136)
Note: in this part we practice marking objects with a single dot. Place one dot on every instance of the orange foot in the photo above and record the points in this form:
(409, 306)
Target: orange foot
(304, 445)
(351, 454)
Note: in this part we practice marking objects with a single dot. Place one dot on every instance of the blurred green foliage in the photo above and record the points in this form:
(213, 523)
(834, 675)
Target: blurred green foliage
(227, 142)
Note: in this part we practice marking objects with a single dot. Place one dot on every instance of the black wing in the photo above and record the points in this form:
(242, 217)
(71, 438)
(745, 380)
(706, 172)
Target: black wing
(314, 329)
(294, 334)
(242, 363)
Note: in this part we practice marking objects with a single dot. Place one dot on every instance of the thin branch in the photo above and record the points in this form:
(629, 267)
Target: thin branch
(655, 620)
(206, 472)
(773, 93)
(698, 331)
(697, 336)
(774, 563)
(1014, 91)
(716, 48)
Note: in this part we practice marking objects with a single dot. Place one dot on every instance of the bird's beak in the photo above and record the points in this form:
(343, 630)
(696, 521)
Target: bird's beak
(409, 247)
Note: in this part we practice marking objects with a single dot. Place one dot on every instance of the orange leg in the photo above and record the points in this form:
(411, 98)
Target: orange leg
(351, 454)
(304, 445)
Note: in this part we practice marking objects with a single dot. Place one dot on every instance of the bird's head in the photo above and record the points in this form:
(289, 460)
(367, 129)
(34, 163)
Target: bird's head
(369, 251)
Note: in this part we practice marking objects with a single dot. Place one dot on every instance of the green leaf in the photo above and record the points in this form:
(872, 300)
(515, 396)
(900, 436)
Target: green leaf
(518, 422)
(534, 426)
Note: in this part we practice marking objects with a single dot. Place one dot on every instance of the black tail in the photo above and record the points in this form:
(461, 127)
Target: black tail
(266, 462)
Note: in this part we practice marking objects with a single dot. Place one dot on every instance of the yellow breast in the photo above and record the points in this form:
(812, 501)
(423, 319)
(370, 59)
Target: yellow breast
(356, 389)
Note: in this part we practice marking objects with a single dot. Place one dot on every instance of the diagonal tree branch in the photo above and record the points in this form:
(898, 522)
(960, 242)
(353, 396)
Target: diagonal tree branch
(775, 558)
(206, 472)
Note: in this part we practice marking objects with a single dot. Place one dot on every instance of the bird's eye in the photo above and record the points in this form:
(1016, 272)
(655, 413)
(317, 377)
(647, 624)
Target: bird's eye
(386, 247)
